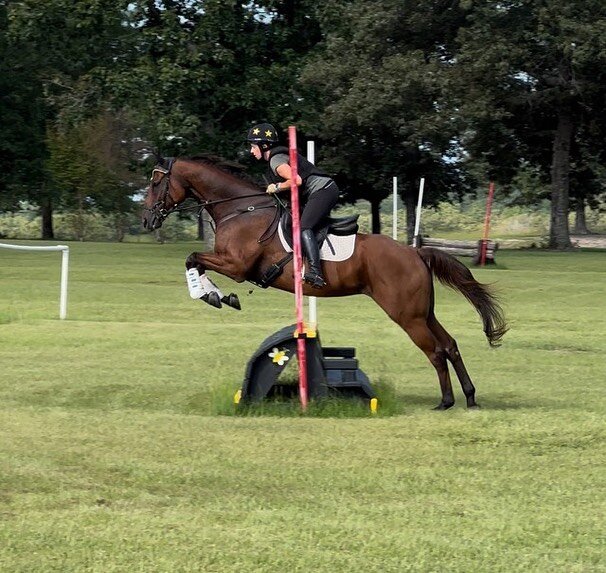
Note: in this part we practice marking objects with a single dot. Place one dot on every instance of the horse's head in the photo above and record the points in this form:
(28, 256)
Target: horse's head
(163, 195)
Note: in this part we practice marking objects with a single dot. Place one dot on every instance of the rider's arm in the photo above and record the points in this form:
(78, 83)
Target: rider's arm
(284, 171)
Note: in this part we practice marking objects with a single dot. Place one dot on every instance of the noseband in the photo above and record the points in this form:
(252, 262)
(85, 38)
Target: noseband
(158, 209)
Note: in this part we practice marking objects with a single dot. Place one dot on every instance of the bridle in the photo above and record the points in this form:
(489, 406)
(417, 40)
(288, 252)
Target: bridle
(161, 212)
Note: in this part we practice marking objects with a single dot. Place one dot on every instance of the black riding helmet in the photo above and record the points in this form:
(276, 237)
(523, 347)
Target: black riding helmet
(265, 135)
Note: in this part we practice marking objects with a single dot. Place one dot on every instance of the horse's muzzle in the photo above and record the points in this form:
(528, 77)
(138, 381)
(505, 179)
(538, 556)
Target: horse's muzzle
(151, 220)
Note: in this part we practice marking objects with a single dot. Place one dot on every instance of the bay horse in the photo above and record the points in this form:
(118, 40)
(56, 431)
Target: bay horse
(397, 277)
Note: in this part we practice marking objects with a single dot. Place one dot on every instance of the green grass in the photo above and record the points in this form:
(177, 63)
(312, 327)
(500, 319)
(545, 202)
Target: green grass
(113, 457)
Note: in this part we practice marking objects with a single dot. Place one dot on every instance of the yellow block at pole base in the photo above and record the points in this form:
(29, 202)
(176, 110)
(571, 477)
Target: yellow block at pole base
(374, 404)
(237, 397)
(308, 332)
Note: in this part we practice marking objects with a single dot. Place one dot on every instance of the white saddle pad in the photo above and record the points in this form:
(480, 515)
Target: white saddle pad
(335, 248)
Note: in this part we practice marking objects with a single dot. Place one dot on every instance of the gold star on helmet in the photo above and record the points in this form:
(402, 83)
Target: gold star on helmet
(268, 133)
(256, 131)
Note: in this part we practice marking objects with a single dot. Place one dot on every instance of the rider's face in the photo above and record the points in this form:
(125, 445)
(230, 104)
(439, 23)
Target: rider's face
(256, 151)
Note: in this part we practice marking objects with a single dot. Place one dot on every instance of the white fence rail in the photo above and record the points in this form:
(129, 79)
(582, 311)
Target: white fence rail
(64, 269)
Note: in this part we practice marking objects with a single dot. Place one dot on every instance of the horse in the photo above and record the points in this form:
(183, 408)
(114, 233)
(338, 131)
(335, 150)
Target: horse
(397, 277)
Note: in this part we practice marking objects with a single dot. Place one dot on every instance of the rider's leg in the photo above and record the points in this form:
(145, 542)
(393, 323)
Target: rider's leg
(313, 274)
(317, 207)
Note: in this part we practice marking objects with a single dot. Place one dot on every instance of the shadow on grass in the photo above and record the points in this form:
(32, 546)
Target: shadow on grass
(428, 400)
(491, 405)
(508, 403)
(484, 403)
(9, 316)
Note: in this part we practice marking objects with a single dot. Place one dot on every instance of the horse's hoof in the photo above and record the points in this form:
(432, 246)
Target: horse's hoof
(444, 406)
(473, 406)
(232, 300)
(212, 298)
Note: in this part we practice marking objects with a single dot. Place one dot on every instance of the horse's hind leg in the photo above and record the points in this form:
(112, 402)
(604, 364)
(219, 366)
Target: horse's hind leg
(424, 338)
(449, 344)
(409, 306)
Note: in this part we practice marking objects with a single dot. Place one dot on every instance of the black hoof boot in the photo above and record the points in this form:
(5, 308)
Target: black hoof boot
(232, 300)
(444, 406)
(212, 298)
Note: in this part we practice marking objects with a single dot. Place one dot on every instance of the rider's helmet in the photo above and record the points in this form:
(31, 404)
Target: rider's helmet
(265, 135)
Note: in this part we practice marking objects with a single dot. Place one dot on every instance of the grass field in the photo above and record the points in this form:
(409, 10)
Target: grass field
(113, 457)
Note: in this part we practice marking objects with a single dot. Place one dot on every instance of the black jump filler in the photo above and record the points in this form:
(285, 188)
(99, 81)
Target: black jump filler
(331, 371)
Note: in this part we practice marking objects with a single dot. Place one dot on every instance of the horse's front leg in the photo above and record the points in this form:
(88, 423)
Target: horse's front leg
(202, 287)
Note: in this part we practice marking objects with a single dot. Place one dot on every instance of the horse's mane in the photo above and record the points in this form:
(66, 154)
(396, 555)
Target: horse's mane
(231, 167)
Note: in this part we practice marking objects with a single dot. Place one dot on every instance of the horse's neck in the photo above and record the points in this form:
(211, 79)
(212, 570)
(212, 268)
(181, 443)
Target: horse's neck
(210, 184)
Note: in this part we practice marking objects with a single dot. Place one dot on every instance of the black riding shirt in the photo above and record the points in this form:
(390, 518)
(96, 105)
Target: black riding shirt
(313, 178)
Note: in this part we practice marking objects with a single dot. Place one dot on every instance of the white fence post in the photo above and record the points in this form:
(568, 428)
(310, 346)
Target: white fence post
(394, 231)
(415, 238)
(64, 273)
(311, 300)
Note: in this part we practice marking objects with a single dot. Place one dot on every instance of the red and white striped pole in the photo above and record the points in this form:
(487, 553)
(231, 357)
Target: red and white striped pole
(298, 279)
(486, 224)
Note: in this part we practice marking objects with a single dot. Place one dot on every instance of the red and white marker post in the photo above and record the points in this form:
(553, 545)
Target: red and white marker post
(300, 333)
(486, 224)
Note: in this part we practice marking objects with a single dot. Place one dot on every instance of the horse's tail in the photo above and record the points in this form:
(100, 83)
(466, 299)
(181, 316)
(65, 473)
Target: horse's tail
(454, 274)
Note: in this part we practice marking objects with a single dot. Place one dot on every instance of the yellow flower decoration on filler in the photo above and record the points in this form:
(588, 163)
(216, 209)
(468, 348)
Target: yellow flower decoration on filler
(278, 356)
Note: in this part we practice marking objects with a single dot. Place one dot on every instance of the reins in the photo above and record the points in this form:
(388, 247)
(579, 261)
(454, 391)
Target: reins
(203, 204)
(250, 209)
(163, 212)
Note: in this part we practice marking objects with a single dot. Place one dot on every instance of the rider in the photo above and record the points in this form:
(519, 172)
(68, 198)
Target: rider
(319, 193)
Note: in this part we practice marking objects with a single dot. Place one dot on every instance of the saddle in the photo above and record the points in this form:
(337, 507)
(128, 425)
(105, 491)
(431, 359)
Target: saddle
(336, 240)
(338, 226)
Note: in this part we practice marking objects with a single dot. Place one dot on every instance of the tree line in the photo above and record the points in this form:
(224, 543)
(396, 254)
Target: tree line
(460, 92)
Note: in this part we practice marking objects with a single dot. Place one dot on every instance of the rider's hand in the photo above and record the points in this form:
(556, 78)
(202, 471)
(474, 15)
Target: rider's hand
(272, 188)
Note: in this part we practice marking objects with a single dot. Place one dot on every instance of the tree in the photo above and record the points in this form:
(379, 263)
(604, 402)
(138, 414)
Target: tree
(376, 94)
(22, 122)
(194, 74)
(58, 50)
(210, 69)
(529, 73)
(89, 168)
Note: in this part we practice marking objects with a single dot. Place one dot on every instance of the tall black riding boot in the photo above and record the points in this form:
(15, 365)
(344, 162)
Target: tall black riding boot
(313, 276)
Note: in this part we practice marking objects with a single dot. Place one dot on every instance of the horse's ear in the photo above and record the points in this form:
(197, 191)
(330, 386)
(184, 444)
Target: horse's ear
(159, 159)
(165, 162)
